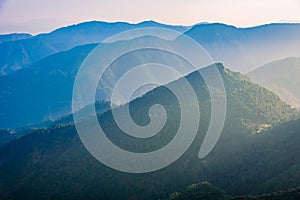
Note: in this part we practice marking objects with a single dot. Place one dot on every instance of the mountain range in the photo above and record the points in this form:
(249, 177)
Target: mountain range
(243, 49)
(42, 155)
(53, 163)
(282, 77)
(45, 87)
(50, 73)
(14, 36)
(43, 91)
(23, 53)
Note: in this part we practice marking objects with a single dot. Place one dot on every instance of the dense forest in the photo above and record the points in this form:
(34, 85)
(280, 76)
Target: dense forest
(52, 163)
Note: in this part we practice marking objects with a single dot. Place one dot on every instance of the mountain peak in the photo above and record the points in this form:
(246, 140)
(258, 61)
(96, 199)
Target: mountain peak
(218, 65)
(149, 22)
(213, 25)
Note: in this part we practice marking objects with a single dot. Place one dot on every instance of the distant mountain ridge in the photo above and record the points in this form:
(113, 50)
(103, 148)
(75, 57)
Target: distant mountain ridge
(41, 89)
(46, 87)
(282, 77)
(244, 49)
(14, 36)
(18, 54)
(241, 48)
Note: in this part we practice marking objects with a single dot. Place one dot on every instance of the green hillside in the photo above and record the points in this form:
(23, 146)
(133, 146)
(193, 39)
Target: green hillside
(52, 163)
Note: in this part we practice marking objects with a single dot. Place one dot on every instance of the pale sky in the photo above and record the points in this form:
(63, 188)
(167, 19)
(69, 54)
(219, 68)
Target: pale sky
(36, 16)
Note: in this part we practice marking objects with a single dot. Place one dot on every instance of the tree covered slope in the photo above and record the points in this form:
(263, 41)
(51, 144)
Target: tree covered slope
(53, 163)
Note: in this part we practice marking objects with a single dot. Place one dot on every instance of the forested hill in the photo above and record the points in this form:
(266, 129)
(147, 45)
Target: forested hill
(52, 163)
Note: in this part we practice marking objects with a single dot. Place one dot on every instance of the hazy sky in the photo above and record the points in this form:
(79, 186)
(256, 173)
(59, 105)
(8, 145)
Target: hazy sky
(35, 16)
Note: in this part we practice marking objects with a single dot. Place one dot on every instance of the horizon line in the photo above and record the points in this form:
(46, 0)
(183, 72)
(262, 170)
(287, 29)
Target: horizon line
(150, 20)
